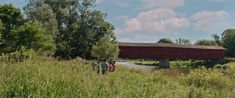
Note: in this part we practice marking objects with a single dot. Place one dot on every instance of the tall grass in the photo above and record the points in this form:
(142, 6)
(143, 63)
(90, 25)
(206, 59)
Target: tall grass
(75, 78)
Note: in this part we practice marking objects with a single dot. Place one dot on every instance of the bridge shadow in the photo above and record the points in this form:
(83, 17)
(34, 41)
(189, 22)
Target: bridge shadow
(153, 64)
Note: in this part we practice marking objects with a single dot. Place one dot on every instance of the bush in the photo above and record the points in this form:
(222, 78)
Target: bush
(105, 49)
(27, 53)
(31, 36)
(19, 56)
(208, 78)
(182, 64)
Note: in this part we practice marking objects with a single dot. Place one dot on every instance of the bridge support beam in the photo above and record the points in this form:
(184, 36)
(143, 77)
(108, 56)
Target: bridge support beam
(164, 63)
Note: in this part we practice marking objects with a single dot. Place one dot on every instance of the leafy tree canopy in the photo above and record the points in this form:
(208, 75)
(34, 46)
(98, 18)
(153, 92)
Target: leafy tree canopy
(45, 15)
(1, 31)
(182, 41)
(228, 39)
(105, 49)
(206, 42)
(165, 40)
(16, 32)
(31, 36)
(78, 26)
(10, 16)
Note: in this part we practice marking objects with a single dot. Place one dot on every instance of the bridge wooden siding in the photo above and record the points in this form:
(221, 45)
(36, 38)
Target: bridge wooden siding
(169, 51)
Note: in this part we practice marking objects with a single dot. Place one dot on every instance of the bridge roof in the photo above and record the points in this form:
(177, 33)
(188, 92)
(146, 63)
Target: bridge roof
(170, 45)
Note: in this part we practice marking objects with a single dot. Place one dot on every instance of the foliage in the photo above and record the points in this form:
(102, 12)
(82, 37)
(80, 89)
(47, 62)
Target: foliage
(165, 40)
(31, 36)
(105, 49)
(182, 41)
(59, 18)
(217, 39)
(21, 55)
(69, 27)
(10, 18)
(78, 26)
(1, 32)
(206, 42)
(52, 78)
(17, 33)
(43, 14)
(27, 53)
(144, 62)
(91, 30)
(47, 19)
(228, 38)
(208, 79)
(182, 64)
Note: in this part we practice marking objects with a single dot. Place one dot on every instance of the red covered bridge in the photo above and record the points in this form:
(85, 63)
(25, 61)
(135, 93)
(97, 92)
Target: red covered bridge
(166, 52)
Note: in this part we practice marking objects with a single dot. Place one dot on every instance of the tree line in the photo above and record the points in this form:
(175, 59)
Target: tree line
(226, 40)
(62, 28)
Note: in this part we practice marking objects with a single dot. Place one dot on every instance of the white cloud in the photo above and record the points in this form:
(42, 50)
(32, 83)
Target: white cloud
(156, 20)
(133, 25)
(163, 3)
(206, 20)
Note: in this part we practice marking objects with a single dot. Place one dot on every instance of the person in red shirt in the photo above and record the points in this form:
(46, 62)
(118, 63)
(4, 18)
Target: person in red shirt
(112, 66)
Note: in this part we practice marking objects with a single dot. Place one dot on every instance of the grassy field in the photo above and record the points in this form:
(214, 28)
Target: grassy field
(75, 78)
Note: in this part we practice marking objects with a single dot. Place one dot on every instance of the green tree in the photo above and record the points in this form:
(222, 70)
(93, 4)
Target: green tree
(206, 42)
(10, 18)
(31, 36)
(182, 41)
(62, 15)
(1, 32)
(228, 38)
(45, 15)
(91, 31)
(105, 49)
(79, 25)
(165, 40)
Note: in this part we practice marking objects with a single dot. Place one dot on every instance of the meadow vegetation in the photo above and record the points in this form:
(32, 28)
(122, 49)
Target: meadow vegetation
(49, 77)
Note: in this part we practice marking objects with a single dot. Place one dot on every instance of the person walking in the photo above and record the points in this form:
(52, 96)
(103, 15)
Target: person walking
(96, 65)
(112, 66)
(104, 67)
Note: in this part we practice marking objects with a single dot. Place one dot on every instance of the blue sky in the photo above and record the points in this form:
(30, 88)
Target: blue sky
(150, 20)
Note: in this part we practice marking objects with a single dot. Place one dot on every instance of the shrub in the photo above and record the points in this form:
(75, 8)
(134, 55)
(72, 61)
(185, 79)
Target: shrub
(21, 55)
(105, 49)
(182, 64)
(208, 78)
(31, 36)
